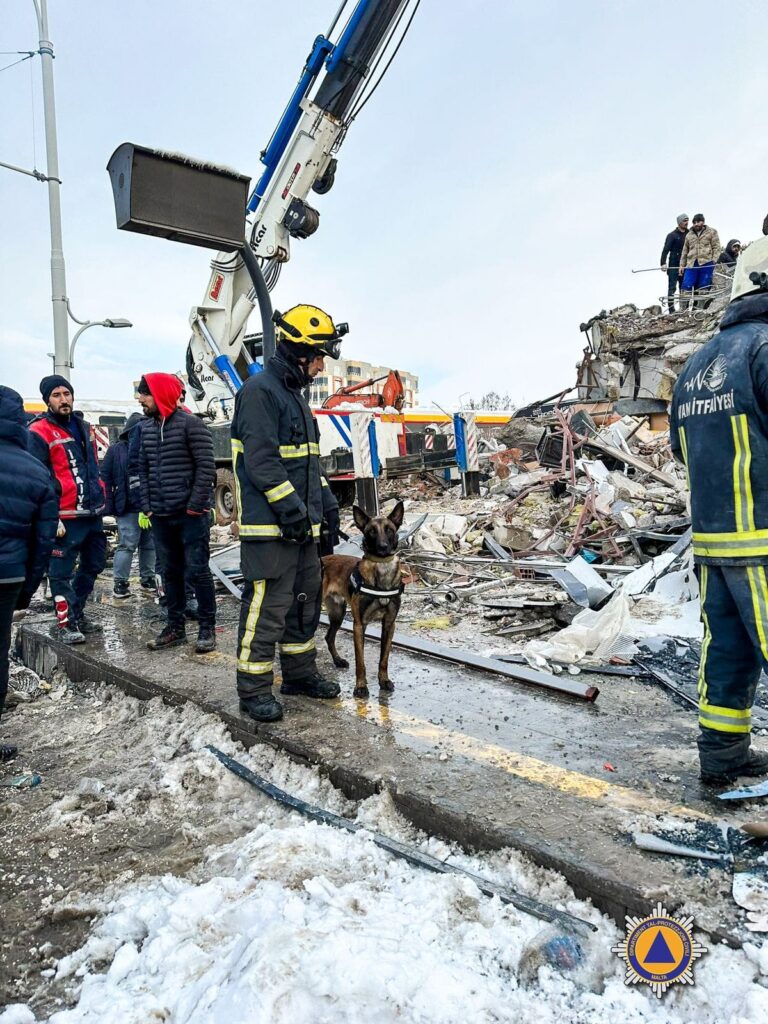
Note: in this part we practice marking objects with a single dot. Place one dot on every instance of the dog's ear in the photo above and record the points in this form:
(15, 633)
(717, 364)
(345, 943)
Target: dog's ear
(396, 515)
(361, 518)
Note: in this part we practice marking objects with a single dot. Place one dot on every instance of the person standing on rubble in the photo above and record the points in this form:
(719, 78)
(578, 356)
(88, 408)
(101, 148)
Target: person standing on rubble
(61, 440)
(670, 258)
(719, 429)
(29, 517)
(177, 472)
(701, 249)
(283, 498)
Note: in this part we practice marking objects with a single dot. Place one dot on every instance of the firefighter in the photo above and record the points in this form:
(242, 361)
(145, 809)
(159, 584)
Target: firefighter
(719, 429)
(283, 498)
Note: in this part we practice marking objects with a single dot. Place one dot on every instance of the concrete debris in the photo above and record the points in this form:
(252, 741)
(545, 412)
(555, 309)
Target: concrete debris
(557, 537)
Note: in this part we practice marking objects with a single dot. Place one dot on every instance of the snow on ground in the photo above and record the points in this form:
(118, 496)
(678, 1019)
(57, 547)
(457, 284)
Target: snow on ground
(292, 921)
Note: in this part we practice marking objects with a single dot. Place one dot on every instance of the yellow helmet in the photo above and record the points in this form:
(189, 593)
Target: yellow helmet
(751, 269)
(309, 325)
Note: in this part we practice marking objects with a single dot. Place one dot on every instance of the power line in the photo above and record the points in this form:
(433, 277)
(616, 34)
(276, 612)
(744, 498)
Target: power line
(28, 54)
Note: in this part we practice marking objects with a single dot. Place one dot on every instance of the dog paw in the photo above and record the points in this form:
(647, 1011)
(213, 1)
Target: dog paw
(387, 684)
(341, 663)
(360, 691)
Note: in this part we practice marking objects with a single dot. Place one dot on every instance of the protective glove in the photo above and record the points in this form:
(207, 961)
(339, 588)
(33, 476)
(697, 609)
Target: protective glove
(298, 531)
(23, 600)
(331, 526)
(145, 523)
(61, 529)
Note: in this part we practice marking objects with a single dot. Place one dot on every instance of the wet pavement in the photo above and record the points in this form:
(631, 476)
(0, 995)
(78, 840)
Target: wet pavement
(468, 756)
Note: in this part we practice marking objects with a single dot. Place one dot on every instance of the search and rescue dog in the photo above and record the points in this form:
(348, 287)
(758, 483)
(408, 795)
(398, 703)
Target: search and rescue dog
(372, 587)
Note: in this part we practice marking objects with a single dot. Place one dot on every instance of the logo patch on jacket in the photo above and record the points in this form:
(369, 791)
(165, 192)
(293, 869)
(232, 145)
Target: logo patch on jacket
(712, 378)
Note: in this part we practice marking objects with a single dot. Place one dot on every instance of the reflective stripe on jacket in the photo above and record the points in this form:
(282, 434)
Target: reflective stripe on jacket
(719, 428)
(276, 456)
(70, 453)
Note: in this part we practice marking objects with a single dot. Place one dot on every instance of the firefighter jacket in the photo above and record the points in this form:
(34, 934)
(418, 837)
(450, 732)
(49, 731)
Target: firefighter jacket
(719, 429)
(276, 456)
(64, 445)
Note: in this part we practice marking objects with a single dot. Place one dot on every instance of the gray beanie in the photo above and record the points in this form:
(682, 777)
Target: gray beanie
(681, 217)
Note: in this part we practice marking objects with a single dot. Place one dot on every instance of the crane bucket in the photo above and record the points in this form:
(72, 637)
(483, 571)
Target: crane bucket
(178, 198)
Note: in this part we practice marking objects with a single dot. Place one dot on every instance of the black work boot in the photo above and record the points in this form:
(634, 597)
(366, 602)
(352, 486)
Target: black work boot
(756, 764)
(313, 685)
(68, 635)
(120, 589)
(148, 583)
(7, 752)
(262, 707)
(86, 625)
(171, 636)
(206, 640)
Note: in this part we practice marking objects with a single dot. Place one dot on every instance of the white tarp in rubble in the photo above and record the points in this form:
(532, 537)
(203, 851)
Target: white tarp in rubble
(671, 609)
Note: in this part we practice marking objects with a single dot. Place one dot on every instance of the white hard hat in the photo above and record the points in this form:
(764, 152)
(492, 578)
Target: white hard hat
(751, 264)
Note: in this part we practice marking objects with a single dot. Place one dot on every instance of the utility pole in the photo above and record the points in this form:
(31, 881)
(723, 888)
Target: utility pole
(58, 269)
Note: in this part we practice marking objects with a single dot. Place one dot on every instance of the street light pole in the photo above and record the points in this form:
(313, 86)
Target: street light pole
(58, 268)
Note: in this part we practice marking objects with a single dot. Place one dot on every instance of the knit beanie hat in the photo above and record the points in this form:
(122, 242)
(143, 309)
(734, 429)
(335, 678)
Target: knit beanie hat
(49, 384)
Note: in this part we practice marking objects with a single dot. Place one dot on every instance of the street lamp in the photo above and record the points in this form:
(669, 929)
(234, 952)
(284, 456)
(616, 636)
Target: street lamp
(84, 325)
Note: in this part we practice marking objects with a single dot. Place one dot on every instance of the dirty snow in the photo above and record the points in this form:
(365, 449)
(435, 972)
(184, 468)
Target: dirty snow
(295, 921)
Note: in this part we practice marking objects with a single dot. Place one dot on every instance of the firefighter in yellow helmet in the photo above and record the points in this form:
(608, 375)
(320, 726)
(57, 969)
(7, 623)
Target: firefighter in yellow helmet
(283, 499)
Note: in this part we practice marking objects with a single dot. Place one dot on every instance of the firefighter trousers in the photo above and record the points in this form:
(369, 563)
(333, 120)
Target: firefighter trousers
(280, 606)
(734, 608)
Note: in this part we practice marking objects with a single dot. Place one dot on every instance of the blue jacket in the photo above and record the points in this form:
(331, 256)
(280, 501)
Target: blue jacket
(120, 470)
(719, 429)
(29, 507)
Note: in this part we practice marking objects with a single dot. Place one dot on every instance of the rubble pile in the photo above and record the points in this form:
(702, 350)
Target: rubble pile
(566, 516)
(637, 354)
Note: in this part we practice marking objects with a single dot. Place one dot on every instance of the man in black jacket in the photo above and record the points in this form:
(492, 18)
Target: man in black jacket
(29, 514)
(283, 498)
(670, 258)
(176, 477)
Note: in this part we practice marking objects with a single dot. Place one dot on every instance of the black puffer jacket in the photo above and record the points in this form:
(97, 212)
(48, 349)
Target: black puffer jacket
(29, 506)
(176, 465)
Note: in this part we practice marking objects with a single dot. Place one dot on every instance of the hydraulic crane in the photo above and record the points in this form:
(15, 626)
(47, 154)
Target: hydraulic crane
(336, 82)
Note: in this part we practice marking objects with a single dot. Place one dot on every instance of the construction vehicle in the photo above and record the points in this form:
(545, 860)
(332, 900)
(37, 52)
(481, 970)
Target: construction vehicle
(392, 394)
(336, 82)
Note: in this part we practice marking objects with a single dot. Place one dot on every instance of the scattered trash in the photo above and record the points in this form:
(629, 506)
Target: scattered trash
(609, 767)
(746, 792)
(655, 844)
(26, 781)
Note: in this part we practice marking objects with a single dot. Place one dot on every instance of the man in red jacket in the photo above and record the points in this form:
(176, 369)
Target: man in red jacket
(177, 472)
(61, 440)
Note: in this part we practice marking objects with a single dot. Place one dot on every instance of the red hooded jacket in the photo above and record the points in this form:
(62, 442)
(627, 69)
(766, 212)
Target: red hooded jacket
(166, 390)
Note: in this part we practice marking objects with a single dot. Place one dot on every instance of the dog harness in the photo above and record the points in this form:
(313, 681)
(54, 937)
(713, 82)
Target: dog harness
(357, 585)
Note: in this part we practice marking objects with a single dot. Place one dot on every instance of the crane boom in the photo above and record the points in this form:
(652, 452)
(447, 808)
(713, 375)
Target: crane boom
(299, 158)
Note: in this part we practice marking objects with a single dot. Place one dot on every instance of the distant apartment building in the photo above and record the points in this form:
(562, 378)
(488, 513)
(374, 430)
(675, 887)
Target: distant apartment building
(340, 373)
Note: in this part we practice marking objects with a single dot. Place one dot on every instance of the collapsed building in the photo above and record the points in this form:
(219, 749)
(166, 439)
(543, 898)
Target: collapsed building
(633, 357)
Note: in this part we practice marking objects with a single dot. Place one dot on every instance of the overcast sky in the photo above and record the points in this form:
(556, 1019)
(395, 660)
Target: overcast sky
(516, 163)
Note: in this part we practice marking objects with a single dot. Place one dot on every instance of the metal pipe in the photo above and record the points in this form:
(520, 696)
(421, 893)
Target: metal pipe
(422, 860)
